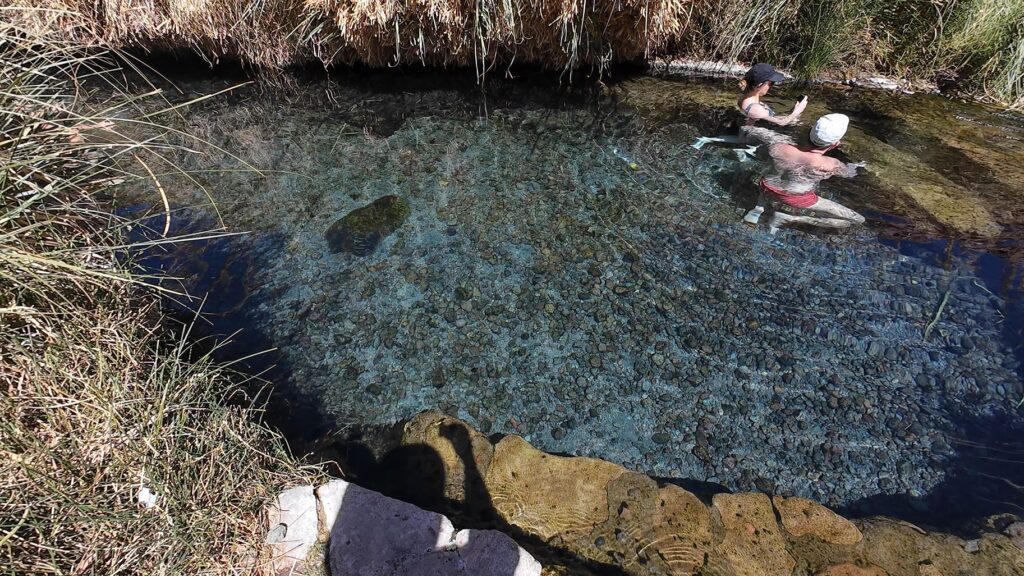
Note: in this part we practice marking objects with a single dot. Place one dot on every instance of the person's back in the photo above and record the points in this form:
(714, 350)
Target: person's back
(798, 169)
(801, 169)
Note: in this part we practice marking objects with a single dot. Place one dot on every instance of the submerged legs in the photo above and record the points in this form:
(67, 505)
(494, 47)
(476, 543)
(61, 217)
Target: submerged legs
(742, 154)
(753, 216)
(702, 141)
(825, 213)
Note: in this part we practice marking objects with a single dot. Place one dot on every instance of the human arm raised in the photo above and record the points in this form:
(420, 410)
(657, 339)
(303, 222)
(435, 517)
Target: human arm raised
(758, 111)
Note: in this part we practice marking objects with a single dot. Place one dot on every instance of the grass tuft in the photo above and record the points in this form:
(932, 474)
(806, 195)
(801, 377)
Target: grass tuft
(99, 408)
(986, 39)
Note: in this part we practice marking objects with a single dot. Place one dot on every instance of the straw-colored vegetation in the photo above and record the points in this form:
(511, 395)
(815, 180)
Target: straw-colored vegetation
(122, 450)
(976, 42)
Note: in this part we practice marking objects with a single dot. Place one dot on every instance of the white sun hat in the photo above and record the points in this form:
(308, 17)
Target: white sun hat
(829, 129)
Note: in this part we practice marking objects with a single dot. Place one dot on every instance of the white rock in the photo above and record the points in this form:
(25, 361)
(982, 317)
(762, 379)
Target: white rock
(330, 496)
(147, 497)
(687, 66)
(373, 535)
(295, 510)
(877, 82)
(1016, 533)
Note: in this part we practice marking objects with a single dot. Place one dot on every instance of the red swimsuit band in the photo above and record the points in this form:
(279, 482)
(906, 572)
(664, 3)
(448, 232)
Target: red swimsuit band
(805, 200)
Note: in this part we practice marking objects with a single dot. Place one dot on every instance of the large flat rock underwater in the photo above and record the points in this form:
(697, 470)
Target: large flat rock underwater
(361, 230)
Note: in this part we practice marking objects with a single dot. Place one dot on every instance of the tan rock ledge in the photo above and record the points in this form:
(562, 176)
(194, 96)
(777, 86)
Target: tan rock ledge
(591, 516)
(605, 514)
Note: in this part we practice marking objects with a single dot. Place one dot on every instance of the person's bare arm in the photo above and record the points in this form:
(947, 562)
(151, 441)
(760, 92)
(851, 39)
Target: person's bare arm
(846, 170)
(760, 112)
(758, 135)
(780, 120)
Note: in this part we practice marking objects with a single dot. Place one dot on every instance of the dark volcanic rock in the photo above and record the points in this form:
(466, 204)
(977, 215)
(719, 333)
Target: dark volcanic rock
(361, 230)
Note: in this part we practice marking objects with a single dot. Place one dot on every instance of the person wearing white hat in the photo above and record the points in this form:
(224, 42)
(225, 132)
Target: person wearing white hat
(799, 169)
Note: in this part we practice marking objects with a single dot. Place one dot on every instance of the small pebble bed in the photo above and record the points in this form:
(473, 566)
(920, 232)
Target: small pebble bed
(580, 276)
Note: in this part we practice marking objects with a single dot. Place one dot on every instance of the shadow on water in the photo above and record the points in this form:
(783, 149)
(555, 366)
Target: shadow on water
(998, 266)
(222, 316)
(393, 95)
(984, 478)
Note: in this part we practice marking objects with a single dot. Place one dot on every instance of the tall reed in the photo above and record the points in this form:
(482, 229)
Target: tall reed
(986, 38)
(122, 450)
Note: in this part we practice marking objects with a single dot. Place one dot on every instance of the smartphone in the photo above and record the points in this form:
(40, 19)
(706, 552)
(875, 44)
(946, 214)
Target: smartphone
(802, 98)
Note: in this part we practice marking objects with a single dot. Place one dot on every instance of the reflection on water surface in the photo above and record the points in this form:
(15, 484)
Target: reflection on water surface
(572, 271)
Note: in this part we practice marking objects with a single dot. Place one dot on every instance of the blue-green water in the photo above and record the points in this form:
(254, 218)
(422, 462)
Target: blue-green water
(570, 270)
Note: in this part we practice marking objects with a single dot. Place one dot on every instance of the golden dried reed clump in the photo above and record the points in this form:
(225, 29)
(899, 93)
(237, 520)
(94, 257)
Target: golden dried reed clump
(564, 33)
(258, 32)
(977, 42)
(274, 33)
(123, 448)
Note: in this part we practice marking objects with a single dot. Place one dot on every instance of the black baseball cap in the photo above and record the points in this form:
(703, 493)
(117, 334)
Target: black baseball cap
(761, 73)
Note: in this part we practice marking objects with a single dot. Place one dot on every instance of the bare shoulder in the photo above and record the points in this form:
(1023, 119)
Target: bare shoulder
(765, 136)
(784, 150)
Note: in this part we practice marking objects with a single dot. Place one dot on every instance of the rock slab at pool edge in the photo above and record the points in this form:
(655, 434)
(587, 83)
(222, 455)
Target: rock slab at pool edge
(369, 534)
(602, 512)
(294, 522)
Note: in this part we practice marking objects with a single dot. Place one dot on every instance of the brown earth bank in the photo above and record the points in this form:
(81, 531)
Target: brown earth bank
(587, 516)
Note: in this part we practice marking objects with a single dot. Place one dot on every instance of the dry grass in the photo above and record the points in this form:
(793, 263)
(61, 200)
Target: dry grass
(97, 404)
(979, 40)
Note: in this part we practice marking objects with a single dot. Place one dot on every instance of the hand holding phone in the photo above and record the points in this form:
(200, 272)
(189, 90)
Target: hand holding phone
(800, 105)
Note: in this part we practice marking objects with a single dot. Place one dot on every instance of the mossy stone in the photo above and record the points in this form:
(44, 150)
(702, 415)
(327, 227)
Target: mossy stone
(361, 230)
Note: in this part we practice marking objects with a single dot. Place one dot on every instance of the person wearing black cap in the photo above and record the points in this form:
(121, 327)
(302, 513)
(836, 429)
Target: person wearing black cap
(755, 84)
